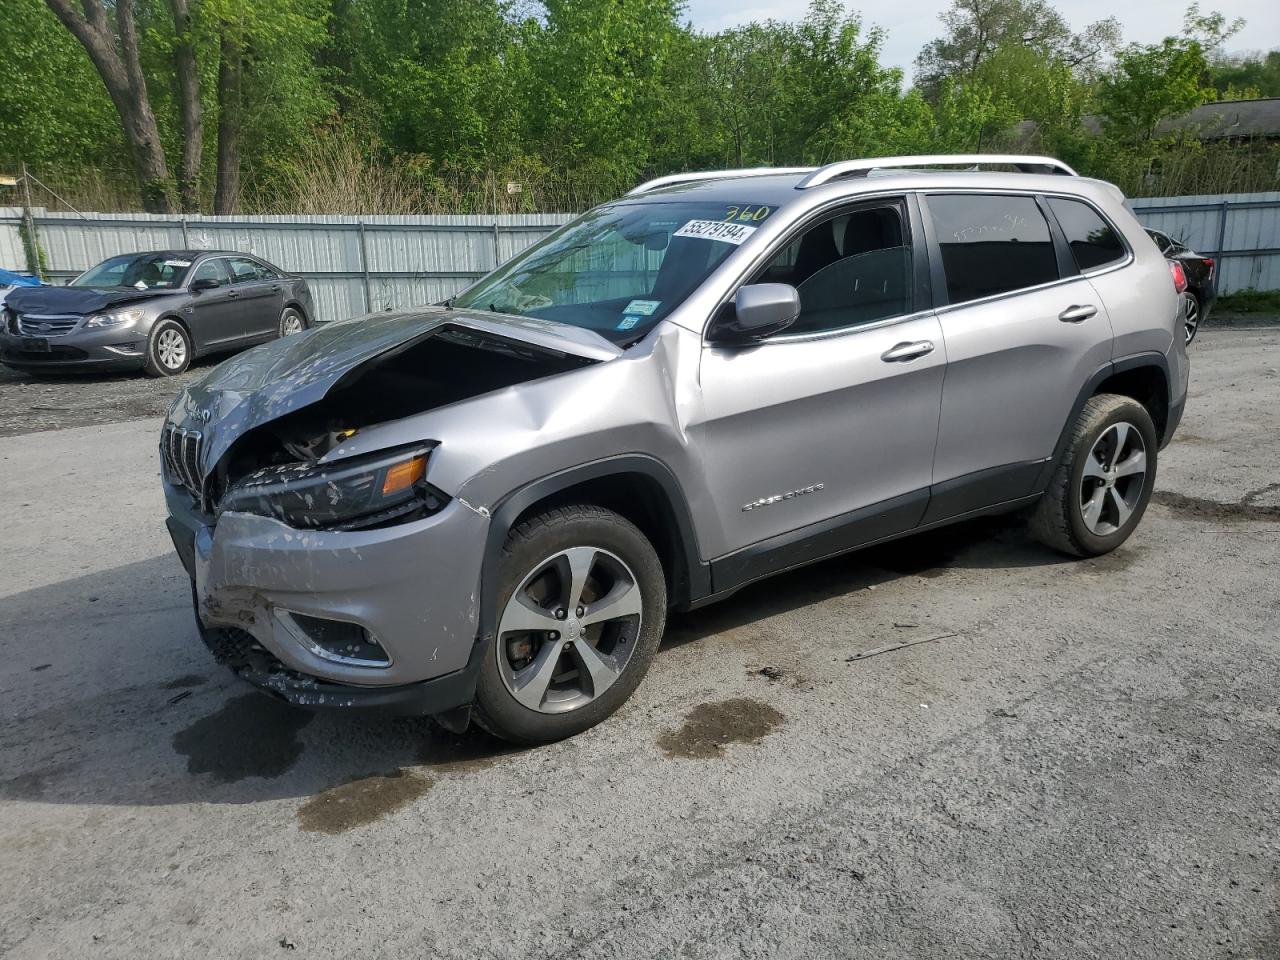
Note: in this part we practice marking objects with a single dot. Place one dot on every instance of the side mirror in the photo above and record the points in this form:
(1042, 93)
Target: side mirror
(205, 283)
(759, 310)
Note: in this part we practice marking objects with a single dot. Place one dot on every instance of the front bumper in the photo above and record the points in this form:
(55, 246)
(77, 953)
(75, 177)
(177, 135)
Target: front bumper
(98, 349)
(414, 587)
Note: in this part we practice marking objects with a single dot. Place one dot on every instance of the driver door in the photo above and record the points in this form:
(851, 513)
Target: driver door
(821, 437)
(215, 311)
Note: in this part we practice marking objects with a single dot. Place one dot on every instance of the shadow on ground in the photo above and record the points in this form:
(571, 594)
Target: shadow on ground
(190, 732)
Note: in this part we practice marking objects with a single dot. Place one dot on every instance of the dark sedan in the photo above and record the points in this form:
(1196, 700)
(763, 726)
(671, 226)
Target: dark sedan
(154, 311)
(1202, 281)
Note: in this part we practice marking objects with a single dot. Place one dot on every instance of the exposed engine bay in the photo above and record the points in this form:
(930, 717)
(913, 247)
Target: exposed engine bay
(450, 364)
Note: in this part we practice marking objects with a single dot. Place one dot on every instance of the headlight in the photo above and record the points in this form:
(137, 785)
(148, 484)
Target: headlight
(346, 495)
(117, 318)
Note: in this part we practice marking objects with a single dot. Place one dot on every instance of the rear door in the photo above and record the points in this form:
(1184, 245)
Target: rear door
(822, 437)
(1024, 331)
(259, 293)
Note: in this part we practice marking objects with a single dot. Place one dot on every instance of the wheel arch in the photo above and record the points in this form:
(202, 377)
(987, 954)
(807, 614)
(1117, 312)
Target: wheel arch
(638, 487)
(1143, 377)
(180, 321)
(293, 302)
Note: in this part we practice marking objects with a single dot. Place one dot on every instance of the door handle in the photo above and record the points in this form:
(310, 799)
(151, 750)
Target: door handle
(1077, 313)
(275, 288)
(901, 352)
(232, 294)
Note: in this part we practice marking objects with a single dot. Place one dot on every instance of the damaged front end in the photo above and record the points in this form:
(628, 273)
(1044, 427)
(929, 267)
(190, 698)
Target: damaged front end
(324, 571)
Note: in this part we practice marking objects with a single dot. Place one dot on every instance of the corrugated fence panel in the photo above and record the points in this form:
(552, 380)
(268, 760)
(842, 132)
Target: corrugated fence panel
(355, 264)
(1241, 230)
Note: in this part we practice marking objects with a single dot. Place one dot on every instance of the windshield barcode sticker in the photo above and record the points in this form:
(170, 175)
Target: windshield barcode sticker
(734, 233)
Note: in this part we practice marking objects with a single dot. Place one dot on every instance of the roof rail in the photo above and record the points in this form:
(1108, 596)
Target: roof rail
(860, 168)
(713, 175)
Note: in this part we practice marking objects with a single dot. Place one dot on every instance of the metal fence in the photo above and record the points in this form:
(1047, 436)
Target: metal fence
(1240, 231)
(353, 264)
(360, 264)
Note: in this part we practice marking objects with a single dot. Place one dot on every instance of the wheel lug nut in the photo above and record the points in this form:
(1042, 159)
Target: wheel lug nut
(580, 610)
(554, 635)
(560, 613)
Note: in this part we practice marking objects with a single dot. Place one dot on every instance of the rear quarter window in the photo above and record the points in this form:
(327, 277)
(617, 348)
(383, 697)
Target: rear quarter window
(1094, 243)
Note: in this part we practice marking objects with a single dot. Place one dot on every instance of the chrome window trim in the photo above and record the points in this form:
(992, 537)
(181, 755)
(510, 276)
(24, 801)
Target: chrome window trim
(1060, 282)
(880, 324)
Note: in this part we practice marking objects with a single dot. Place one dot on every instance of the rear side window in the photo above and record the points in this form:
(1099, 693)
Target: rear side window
(991, 244)
(1092, 240)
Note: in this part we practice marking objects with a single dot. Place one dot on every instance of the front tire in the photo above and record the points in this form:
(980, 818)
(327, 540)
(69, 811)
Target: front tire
(169, 349)
(1102, 484)
(582, 606)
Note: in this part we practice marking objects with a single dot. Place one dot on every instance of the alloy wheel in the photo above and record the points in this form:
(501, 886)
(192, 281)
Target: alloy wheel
(1115, 472)
(292, 323)
(171, 349)
(569, 630)
(1190, 316)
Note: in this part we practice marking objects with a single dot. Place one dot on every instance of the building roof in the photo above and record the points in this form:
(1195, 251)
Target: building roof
(1228, 119)
(1220, 120)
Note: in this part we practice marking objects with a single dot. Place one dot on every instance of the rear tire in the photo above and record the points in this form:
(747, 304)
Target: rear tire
(582, 605)
(1191, 317)
(169, 349)
(291, 321)
(1101, 486)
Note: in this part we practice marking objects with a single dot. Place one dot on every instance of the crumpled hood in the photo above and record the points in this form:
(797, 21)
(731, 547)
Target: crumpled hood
(75, 300)
(267, 382)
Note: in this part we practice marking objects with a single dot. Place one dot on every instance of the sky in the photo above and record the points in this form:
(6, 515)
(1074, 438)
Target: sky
(910, 24)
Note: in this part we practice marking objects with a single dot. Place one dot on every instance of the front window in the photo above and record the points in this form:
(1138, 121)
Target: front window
(620, 269)
(141, 271)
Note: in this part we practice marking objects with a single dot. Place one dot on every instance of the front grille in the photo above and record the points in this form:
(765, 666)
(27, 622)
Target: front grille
(181, 450)
(51, 325)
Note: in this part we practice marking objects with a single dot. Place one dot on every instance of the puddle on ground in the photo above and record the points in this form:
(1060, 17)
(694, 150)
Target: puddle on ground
(710, 727)
(185, 681)
(1200, 508)
(360, 802)
(252, 735)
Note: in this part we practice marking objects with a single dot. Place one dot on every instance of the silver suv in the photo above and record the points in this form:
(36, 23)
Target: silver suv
(484, 509)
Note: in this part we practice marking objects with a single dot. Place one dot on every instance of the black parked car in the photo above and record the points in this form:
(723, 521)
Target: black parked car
(155, 311)
(1201, 274)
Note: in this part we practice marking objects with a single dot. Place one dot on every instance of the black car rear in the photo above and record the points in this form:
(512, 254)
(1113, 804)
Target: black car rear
(1202, 280)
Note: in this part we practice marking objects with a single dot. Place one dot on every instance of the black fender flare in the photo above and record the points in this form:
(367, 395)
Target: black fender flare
(1151, 358)
(509, 508)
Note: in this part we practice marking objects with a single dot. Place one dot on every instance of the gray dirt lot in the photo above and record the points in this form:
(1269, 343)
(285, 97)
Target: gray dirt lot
(1086, 764)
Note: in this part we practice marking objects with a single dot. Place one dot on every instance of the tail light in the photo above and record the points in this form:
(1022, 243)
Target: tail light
(1208, 262)
(1179, 276)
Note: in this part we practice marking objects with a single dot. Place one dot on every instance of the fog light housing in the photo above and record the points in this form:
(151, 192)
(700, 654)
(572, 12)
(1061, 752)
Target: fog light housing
(340, 641)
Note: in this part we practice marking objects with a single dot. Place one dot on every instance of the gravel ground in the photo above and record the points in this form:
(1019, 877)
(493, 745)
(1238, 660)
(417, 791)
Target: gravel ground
(1077, 760)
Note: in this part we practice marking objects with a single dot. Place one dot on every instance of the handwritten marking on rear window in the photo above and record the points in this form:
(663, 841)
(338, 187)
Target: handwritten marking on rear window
(734, 233)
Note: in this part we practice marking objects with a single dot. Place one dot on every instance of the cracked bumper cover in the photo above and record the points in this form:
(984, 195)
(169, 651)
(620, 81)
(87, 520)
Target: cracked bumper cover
(413, 586)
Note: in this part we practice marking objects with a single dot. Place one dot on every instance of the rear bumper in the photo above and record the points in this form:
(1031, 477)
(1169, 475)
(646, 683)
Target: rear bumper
(413, 587)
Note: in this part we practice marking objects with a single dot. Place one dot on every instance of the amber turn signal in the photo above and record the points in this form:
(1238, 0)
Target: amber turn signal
(401, 476)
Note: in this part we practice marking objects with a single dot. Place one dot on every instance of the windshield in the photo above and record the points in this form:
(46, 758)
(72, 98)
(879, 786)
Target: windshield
(620, 269)
(141, 271)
